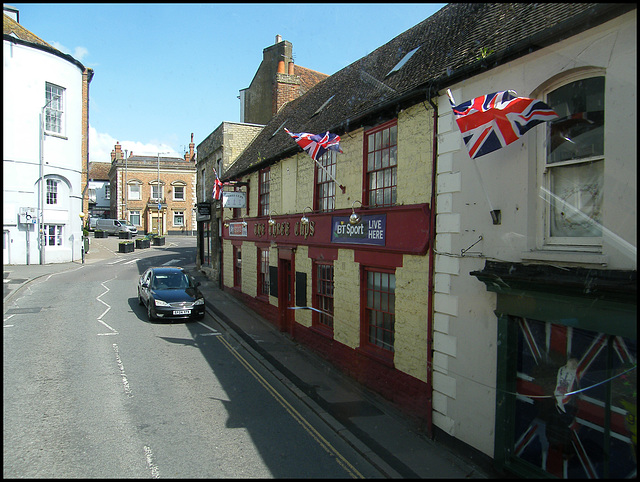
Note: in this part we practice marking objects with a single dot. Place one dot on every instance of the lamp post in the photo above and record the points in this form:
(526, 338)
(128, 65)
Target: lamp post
(158, 188)
(41, 234)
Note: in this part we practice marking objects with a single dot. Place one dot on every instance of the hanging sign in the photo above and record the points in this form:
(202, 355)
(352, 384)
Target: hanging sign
(370, 230)
(234, 199)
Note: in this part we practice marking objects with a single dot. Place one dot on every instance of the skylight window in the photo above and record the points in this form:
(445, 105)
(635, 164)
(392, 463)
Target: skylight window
(323, 105)
(404, 60)
(278, 129)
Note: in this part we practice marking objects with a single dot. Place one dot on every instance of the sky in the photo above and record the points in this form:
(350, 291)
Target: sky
(164, 71)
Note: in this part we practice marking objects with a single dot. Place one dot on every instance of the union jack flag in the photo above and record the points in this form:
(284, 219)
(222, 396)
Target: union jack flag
(492, 121)
(217, 187)
(315, 144)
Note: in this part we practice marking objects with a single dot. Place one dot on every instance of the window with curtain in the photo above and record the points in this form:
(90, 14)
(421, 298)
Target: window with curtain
(574, 164)
(134, 193)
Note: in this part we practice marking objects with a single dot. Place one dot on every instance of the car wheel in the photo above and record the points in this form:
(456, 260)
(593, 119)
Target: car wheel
(149, 313)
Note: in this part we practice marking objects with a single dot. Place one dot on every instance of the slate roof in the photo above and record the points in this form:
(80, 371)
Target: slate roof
(450, 44)
(12, 31)
(11, 27)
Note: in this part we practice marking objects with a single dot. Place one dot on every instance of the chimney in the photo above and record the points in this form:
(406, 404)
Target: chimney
(278, 39)
(291, 66)
(118, 152)
(191, 146)
(281, 67)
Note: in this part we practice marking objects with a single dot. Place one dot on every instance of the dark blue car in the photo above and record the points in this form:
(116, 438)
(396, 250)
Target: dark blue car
(170, 292)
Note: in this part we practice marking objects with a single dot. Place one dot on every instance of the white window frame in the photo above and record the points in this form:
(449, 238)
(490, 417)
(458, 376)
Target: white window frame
(53, 231)
(131, 216)
(52, 191)
(175, 190)
(178, 215)
(545, 240)
(131, 192)
(157, 187)
(54, 112)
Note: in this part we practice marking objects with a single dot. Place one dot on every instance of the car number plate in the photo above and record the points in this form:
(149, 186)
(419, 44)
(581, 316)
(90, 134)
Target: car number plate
(182, 312)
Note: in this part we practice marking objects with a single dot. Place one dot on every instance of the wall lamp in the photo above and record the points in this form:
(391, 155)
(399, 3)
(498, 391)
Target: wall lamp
(355, 218)
(304, 220)
(271, 221)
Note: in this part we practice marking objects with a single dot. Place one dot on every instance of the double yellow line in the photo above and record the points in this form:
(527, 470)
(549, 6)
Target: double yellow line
(350, 469)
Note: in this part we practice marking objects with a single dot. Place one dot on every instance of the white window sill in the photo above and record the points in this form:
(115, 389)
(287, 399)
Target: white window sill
(565, 257)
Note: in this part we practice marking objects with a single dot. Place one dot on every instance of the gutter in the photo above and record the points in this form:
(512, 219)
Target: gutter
(430, 293)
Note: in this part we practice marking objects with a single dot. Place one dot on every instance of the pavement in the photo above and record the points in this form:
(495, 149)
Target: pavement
(370, 424)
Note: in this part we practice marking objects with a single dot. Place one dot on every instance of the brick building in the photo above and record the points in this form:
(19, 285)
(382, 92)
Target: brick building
(277, 81)
(156, 194)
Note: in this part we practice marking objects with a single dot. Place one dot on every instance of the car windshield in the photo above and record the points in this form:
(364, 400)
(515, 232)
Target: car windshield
(170, 281)
(125, 223)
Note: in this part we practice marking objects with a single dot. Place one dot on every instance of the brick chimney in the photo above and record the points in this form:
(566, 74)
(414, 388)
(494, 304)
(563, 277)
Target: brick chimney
(188, 156)
(116, 154)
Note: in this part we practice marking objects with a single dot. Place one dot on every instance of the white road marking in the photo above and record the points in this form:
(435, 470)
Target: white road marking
(155, 473)
(171, 262)
(125, 382)
(114, 332)
(117, 261)
(215, 332)
(133, 261)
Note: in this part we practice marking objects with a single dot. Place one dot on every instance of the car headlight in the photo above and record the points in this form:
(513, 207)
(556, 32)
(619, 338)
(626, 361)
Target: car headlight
(199, 302)
(161, 303)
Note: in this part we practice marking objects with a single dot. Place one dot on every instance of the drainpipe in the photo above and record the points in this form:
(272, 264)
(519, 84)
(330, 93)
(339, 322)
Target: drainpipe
(432, 235)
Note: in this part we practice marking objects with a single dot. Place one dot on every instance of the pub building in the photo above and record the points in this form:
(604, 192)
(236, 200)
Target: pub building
(502, 324)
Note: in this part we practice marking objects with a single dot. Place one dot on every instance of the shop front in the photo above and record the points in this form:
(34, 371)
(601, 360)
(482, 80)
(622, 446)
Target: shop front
(567, 370)
(329, 281)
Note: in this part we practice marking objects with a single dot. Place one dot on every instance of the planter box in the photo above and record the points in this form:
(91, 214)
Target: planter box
(100, 234)
(142, 243)
(126, 247)
(124, 235)
(158, 241)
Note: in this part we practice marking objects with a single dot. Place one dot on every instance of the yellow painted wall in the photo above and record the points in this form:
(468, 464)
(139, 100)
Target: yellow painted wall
(415, 154)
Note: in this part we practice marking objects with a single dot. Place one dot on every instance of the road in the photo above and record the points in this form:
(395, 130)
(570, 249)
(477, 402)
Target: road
(93, 389)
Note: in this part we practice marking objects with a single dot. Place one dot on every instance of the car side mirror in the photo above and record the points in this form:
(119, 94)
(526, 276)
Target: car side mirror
(145, 284)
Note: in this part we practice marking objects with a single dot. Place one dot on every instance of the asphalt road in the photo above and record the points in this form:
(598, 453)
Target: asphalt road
(93, 389)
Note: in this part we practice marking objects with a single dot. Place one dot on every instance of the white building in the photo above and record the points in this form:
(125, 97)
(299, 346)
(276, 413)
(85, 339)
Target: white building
(41, 220)
(552, 281)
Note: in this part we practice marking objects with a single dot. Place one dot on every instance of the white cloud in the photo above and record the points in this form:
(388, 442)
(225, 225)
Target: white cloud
(101, 145)
(79, 53)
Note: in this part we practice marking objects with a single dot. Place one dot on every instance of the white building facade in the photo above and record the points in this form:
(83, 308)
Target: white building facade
(544, 286)
(42, 158)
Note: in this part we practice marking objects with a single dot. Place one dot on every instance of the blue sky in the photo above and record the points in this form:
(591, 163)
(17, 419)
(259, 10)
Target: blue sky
(163, 71)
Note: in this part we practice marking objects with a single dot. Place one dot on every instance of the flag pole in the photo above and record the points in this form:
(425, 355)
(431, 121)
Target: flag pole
(330, 176)
(495, 214)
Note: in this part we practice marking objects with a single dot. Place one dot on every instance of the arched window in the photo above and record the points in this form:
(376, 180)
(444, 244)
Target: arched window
(572, 162)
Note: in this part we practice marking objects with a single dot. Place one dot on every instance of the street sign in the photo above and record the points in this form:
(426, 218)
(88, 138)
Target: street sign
(27, 216)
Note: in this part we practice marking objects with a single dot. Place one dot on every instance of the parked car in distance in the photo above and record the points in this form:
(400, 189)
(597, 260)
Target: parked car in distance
(115, 226)
(170, 292)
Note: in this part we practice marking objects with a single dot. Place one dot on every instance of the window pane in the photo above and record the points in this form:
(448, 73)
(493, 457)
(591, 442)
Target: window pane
(576, 208)
(579, 132)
